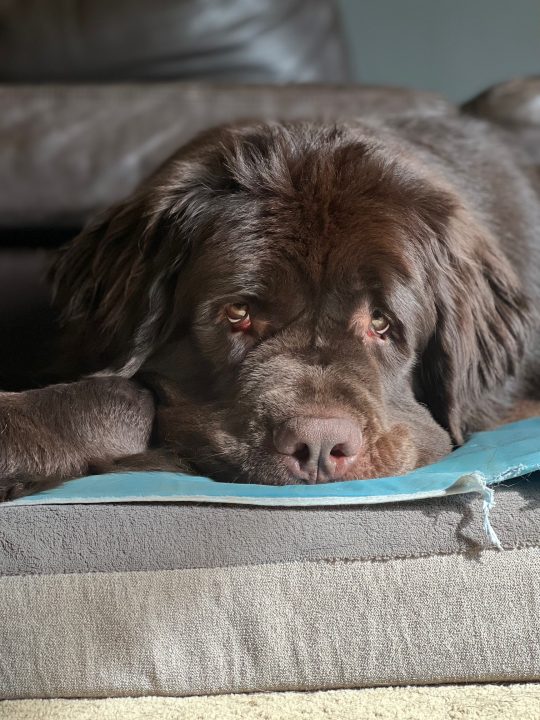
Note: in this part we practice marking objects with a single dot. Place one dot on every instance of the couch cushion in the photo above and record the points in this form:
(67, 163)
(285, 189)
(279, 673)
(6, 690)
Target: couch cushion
(236, 41)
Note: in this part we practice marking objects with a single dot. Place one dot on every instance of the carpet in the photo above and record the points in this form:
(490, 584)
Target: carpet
(452, 702)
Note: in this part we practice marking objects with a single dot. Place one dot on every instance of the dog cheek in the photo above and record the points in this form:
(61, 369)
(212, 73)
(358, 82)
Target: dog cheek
(393, 453)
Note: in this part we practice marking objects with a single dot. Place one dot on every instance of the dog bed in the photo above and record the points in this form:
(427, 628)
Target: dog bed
(181, 598)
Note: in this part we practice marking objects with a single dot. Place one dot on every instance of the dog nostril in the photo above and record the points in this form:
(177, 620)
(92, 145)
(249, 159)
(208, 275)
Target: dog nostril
(302, 453)
(338, 451)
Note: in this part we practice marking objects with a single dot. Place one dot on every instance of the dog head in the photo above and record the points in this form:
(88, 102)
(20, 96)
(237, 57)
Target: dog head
(318, 304)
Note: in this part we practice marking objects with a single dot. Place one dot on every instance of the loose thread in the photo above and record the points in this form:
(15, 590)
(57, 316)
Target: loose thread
(489, 501)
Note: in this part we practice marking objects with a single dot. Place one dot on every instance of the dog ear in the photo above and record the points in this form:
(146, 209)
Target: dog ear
(483, 320)
(114, 283)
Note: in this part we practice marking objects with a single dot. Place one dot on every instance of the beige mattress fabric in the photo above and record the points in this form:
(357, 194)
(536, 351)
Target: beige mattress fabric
(469, 702)
(284, 626)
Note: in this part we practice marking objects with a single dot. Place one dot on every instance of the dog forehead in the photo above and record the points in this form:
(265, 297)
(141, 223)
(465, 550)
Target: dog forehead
(288, 283)
(341, 244)
(312, 238)
(297, 239)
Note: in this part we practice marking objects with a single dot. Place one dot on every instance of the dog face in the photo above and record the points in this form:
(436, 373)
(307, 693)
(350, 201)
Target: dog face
(314, 304)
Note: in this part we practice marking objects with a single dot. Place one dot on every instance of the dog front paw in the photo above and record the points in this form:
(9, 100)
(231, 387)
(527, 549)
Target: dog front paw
(19, 486)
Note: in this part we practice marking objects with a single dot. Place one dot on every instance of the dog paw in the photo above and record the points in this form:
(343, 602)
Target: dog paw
(19, 486)
(10, 490)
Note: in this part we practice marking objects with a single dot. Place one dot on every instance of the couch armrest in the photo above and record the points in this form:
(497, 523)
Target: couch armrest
(70, 150)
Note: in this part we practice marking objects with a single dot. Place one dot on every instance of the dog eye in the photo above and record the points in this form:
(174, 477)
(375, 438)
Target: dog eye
(379, 323)
(238, 316)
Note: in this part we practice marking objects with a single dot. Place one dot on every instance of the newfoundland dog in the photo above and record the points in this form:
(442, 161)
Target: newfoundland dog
(293, 303)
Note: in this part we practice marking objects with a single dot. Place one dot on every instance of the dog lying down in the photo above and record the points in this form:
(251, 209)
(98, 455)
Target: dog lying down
(293, 303)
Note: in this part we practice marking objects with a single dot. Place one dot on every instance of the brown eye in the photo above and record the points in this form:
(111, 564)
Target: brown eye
(379, 323)
(238, 316)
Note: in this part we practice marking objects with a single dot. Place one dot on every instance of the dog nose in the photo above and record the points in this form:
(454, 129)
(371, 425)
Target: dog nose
(318, 450)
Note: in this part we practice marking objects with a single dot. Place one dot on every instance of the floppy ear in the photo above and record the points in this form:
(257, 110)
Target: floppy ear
(483, 320)
(114, 283)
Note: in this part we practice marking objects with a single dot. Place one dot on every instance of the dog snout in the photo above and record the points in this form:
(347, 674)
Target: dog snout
(318, 450)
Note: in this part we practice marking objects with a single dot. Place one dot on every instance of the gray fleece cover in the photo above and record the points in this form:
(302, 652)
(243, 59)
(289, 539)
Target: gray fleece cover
(111, 538)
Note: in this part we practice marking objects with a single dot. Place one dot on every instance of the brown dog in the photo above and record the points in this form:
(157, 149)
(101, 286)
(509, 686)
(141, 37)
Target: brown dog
(307, 304)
